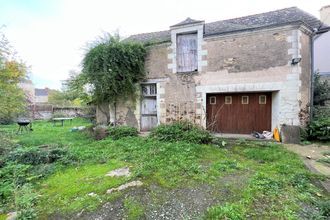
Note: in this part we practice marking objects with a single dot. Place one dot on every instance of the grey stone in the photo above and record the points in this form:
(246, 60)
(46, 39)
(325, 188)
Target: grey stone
(124, 171)
(125, 186)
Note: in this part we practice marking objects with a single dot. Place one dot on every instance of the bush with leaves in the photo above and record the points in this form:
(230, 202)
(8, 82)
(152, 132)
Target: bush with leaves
(24, 165)
(181, 131)
(319, 129)
(321, 90)
(122, 131)
(112, 69)
(36, 155)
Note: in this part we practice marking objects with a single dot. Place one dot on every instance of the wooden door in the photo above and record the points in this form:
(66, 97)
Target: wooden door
(239, 113)
(149, 107)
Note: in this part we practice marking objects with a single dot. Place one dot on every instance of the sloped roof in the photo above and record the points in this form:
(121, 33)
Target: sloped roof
(41, 92)
(274, 18)
(187, 21)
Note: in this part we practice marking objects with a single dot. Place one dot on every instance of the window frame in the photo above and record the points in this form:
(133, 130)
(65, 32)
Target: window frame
(262, 103)
(149, 87)
(247, 100)
(180, 54)
(215, 100)
(231, 100)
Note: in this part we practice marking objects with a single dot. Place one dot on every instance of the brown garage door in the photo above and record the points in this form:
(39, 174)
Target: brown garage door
(239, 113)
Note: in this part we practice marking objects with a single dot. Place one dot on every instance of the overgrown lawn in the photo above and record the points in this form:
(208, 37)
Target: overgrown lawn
(276, 184)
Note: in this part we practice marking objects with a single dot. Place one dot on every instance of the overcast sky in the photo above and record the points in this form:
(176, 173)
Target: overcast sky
(50, 35)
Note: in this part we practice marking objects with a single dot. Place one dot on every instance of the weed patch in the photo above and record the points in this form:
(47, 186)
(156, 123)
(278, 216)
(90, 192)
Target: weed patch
(134, 210)
(227, 211)
(72, 178)
(181, 131)
(122, 131)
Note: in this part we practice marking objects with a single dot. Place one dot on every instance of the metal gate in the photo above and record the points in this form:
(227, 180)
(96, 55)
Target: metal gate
(149, 107)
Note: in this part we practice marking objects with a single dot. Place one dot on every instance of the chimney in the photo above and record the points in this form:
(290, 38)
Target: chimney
(325, 14)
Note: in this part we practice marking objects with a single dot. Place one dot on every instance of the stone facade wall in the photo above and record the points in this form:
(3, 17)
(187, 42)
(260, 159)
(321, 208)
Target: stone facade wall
(246, 62)
(248, 53)
(47, 111)
(156, 61)
(305, 77)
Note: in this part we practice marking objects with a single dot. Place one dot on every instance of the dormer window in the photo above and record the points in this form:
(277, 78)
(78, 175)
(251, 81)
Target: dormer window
(187, 60)
(186, 54)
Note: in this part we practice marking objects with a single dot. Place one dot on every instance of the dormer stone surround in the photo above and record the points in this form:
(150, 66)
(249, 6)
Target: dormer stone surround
(187, 26)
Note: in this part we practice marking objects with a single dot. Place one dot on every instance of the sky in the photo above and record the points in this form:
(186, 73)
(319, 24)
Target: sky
(51, 35)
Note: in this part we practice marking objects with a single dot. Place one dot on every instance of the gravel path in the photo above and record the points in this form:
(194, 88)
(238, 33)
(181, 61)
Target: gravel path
(162, 203)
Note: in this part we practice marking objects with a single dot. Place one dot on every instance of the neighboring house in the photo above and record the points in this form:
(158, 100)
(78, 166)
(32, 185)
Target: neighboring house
(41, 95)
(233, 76)
(28, 88)
(322, 46)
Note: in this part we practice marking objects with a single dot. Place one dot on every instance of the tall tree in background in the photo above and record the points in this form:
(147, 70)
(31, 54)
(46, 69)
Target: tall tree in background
(12, 99)
(75, 89)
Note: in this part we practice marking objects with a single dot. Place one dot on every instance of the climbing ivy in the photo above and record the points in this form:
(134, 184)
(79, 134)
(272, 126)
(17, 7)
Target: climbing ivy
(113, 68)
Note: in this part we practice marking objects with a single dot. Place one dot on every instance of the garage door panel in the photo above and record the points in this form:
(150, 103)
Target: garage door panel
(242, 115)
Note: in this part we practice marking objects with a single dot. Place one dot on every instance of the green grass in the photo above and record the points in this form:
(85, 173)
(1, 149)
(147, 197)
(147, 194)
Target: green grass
(325, 161)
(3, 216)
(45, 133)
(134, 209)
(277, 184)
(68, 190)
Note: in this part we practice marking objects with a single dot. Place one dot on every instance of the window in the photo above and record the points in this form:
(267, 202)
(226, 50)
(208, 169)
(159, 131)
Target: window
(149, 90)
(228, 100)
(213, 100)
(245, 99)
(262, 99)
(186, 53)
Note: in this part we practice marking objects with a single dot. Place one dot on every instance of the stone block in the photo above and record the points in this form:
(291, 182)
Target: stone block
(290, 134)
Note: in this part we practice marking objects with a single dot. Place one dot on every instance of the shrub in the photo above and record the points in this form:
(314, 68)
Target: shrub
(181, 131)
(12, 175)
(122, 131)
(36, 155)
(319, 129)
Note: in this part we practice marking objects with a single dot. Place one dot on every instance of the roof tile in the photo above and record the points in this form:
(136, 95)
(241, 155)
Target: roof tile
(263, 20)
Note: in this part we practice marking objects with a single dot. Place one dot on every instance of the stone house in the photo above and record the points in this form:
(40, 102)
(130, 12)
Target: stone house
(233, 76)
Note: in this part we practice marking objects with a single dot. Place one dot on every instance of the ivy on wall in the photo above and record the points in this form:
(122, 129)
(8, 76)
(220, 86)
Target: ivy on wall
(113, 68)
